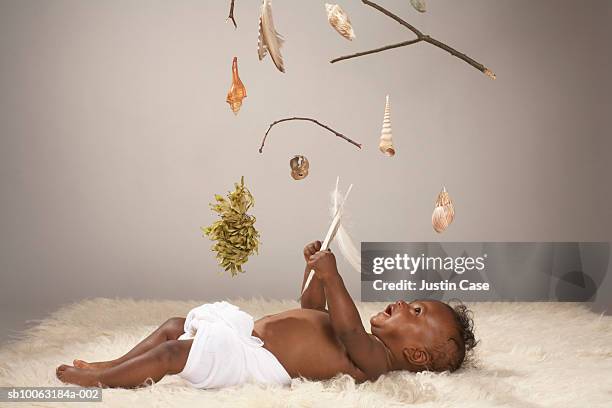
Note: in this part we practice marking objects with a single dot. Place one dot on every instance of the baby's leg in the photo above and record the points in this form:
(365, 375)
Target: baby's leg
(170, 330)
(166, 358)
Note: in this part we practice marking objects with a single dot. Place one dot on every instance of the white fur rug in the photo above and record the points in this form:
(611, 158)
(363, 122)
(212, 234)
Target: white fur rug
(530, 355)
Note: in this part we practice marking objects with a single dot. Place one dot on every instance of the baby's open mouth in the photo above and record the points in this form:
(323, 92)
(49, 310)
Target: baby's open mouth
(389, 310)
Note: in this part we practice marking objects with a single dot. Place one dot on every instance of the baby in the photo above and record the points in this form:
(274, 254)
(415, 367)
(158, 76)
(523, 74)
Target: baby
(218, 345)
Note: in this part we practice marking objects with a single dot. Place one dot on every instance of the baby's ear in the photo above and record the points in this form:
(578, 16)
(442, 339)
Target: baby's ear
(417, 357)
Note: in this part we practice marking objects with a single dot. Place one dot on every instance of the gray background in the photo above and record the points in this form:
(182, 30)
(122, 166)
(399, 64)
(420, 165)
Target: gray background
(115, 134)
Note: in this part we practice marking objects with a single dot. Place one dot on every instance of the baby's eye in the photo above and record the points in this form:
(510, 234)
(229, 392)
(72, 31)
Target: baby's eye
(417, 310)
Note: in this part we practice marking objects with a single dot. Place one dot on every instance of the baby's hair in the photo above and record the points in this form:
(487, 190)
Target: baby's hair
(467, 339)
(451, 354)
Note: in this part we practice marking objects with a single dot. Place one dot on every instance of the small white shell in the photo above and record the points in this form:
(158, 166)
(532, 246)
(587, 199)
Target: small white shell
(444, 212)
(419, 5)
(386, 134)
(340, 21)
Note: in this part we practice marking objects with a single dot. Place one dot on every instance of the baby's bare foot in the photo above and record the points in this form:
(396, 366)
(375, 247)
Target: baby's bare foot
(90, 366)
(78, 376)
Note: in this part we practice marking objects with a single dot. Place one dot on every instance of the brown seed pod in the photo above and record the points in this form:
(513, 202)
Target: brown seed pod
(299, 167)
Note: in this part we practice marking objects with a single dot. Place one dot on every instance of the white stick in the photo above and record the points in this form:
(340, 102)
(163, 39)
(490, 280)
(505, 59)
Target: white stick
(330, 234)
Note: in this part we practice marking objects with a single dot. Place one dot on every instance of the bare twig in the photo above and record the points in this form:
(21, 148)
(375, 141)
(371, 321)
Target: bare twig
(420, 38)
(231, 14)
(386, 47)
(340, 135)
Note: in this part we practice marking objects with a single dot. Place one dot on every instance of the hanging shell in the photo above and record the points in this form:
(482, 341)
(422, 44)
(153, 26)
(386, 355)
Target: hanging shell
(299, 167)
(237, 91)
(340, 21)
(419, 5)
(386, 136)
(444, 212)
(269, 39)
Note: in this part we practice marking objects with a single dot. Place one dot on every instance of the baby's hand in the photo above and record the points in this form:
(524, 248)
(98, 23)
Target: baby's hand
(324, 264)
(311, 249)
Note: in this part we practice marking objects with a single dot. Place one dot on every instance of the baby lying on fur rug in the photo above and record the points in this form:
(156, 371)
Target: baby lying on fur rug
(218, 345)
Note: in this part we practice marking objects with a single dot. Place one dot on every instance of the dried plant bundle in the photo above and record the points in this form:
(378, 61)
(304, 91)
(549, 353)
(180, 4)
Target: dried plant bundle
(235, 234)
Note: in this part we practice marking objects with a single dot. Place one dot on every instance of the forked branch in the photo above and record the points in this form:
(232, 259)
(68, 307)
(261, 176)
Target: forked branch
(231, 14)
(340, 135)
(420, 37)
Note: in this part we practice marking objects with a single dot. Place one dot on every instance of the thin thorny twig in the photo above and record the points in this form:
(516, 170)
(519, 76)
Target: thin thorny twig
(340, 135)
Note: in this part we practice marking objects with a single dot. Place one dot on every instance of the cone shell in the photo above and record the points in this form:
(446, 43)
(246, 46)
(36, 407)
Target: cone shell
(299, 167)
(386, 136)
(237, 91)
(340, 21)
(444, 212)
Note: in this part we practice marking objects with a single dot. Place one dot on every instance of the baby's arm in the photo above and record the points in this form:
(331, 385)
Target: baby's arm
(314, 297)
(365, 351)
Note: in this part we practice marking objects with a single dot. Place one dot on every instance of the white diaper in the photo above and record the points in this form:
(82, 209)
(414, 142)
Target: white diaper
(224, 353)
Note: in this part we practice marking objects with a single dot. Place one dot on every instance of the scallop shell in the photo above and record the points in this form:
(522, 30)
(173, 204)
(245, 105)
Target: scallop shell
(340, 21)
(237, 91)
(386, 135)
(299, 167)
(444, 212)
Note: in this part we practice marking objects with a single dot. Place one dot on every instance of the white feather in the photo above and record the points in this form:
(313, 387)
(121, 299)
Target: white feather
(269, 40)
(343, 239)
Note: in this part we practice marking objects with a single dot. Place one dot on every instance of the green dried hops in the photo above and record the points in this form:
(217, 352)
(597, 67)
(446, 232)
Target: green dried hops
(235, 233)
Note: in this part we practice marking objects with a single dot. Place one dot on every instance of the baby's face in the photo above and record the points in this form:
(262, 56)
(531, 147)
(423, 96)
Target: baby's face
(422, 323)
